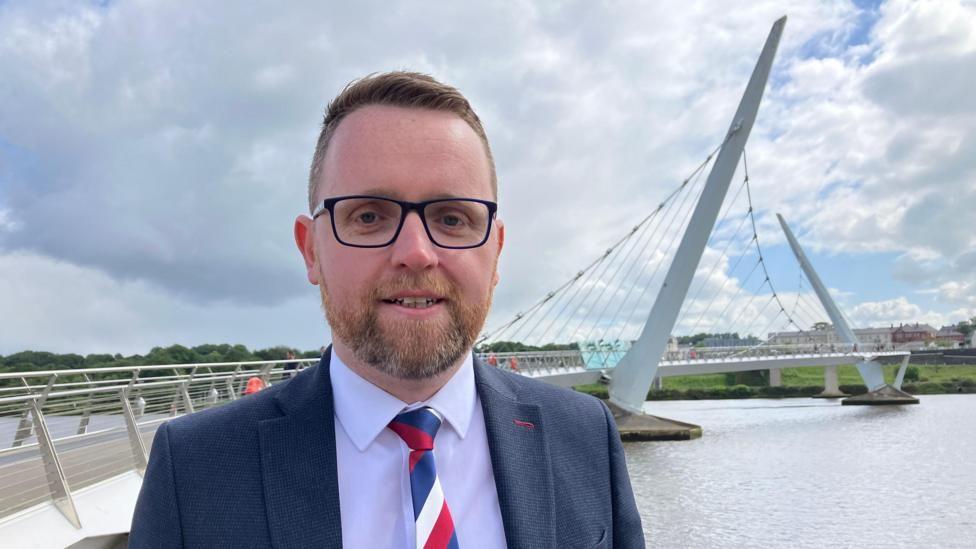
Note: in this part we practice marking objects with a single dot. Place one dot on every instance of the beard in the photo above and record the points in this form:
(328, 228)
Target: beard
(408, 349)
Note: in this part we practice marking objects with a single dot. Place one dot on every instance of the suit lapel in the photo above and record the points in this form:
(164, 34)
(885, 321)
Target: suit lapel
(298, 463)
(520, 460)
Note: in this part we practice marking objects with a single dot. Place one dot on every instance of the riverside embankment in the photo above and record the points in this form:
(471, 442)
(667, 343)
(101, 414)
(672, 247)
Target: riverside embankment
(923, 379)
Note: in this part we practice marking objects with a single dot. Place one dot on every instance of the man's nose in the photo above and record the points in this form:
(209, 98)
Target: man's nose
(413, 248)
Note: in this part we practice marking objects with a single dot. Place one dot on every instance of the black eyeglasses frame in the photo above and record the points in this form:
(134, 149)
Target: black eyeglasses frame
(406, 207)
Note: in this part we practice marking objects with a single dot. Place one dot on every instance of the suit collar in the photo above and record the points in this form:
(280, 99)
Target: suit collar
(298, 463)
(364, 410)
(520, 459)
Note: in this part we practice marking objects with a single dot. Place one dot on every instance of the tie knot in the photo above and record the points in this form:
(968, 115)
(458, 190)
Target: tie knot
(417, 428)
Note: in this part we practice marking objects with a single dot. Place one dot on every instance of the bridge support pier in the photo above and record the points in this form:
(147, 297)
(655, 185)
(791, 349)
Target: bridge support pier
(831, 385)
(658, 383)
(643, 427)
(775, 377)
(884, 395)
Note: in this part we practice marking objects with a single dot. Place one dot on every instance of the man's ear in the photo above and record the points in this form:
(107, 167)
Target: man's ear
(500, 228)
(305, 239)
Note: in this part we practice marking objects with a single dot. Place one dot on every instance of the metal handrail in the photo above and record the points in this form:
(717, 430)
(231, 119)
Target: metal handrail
(117, 369)
(76, 432)
(529, 361)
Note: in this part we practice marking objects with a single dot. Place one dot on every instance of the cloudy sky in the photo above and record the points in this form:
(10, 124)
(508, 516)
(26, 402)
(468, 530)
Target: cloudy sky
(153, 154)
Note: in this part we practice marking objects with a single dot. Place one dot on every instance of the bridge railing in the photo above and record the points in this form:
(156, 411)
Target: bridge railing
(758, 351)
(856, 353)
(63, 430)
(535, 362)
(542, 362)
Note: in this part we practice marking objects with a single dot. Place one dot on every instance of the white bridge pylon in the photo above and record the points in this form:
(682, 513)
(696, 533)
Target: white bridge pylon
(870, 370)
(635, 372)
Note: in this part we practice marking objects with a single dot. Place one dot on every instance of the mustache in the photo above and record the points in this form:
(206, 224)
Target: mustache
(404, 282)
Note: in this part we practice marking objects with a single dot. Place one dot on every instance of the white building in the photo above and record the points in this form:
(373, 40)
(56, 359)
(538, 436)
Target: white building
(870, 338)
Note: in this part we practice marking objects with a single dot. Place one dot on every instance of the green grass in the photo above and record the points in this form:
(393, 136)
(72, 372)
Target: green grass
(695, 382)
(847, 375)
(945, 373)
(801, 382)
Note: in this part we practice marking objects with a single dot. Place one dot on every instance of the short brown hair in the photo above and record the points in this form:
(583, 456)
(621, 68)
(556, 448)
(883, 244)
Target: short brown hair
(396, 89)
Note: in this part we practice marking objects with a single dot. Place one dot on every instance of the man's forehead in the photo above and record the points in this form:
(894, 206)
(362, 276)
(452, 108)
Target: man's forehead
(380, 148)
(374, 122)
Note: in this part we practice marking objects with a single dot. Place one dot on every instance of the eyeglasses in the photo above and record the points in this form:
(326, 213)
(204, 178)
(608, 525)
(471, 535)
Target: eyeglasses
(374, 222)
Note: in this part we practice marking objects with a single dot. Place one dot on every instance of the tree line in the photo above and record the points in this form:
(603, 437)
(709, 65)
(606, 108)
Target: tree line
(174, 354)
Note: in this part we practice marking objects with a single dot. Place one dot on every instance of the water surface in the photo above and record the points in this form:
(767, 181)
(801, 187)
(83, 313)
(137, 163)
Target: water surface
(811, 473)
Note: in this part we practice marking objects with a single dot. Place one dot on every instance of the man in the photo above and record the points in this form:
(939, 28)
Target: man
(398, 437)
(291, 367)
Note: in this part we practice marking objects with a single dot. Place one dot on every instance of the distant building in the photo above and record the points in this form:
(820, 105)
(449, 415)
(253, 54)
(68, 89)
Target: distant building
(949, 336)
(870, 338)
(730, 342)
(875, 338)
(672, 344)
(901, 337)
(913, 333)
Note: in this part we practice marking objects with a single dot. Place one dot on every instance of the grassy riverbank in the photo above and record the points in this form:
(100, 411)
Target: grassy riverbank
(803, 382)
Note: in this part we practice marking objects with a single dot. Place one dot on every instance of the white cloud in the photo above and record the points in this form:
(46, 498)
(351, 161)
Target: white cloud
(162, 151)
(893, 312)
(6, 221)
(51, 305)
(958, 292)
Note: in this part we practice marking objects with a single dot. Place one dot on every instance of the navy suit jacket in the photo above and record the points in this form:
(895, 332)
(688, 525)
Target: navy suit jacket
(261, 471)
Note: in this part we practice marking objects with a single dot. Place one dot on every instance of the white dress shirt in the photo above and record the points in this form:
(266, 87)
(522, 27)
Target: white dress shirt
(374, 481)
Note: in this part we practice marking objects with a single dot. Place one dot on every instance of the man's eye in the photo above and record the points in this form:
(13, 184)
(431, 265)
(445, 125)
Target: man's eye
(367, 217)
(452, 221)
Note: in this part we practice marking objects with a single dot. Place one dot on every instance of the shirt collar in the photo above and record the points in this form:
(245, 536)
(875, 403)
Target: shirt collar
(364, 409)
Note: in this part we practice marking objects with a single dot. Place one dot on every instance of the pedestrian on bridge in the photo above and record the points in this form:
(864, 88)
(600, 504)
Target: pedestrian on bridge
(291, 368)
(399, 437)
(254, 384)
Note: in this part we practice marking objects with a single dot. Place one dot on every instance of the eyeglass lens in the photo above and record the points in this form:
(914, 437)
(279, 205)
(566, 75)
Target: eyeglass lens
(374, 221)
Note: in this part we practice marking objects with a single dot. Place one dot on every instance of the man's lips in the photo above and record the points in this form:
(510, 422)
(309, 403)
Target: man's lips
(414, 302)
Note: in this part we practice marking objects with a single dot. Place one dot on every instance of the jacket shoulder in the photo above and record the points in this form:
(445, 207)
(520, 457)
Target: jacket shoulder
(559, 402)
(226, 434)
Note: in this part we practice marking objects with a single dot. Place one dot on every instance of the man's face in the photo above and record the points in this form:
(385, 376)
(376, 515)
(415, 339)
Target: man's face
(412, 155)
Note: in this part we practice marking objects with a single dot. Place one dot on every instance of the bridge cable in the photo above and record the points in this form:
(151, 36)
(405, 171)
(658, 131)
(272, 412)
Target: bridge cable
(676, 233)
(670, 206)
(613, 343)
(609, 282)
(723, 219)
(745, 166)
(563, 289)
(623, 326)
(704, 281)
(644, 288)
(629, 239)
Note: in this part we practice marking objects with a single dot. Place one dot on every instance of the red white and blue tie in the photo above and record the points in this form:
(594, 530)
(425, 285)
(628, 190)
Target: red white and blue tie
(435, 527)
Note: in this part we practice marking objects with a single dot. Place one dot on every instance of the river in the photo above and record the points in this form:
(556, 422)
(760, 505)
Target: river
(811, 473)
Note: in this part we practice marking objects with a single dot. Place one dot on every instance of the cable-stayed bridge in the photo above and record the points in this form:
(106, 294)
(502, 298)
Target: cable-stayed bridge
(592, 319)
(695, 262)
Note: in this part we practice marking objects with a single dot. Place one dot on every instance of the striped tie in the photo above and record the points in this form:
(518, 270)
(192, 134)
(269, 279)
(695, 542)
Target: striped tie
(435, 528)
